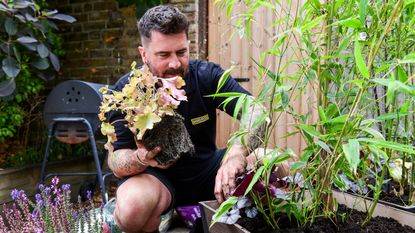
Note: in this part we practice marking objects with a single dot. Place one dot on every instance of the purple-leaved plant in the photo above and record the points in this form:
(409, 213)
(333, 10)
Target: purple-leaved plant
(51, 211)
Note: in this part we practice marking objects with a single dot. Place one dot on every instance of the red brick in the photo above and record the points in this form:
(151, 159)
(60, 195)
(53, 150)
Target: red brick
(107, 5)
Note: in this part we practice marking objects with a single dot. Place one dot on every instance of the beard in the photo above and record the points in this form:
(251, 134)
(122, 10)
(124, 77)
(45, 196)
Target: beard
(176, 72)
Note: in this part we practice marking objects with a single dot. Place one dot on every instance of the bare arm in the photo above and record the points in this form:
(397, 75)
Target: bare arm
(124, 162)
(235, 162)
(129, 162)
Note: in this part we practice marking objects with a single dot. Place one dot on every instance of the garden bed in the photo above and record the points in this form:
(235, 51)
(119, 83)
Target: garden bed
(350, 215)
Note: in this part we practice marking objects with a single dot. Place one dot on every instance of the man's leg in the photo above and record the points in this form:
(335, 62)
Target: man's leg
(141, 200)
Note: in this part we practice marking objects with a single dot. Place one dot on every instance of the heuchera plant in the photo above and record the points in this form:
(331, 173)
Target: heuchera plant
(51, 212)
(144, 101)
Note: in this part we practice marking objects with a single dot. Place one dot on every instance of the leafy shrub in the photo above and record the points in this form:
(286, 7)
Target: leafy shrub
(29, 48)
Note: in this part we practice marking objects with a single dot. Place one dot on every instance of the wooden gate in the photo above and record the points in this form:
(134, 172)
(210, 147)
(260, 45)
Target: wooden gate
(228, 50)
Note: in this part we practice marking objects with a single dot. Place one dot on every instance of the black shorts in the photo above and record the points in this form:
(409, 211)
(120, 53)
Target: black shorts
(189, 181)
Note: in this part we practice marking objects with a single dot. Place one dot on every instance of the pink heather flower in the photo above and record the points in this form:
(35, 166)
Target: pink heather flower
(55, 180)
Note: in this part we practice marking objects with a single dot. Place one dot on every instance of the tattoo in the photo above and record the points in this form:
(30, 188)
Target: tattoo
(256, 136)
(124, 163)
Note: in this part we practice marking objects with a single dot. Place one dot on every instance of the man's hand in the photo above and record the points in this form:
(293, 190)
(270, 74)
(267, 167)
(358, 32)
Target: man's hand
(147, 158)
(233, 165)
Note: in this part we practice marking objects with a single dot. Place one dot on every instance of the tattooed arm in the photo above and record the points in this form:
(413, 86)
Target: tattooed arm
(129, 162)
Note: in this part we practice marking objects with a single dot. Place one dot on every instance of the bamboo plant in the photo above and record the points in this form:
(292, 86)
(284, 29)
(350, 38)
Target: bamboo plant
(358, 58)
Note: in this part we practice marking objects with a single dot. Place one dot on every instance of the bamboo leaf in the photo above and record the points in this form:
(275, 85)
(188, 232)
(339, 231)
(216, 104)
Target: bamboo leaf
(309, 25)
(238, 105)
(352, 153)
(376, 134)
(257, 175)
(359, 59)
(297, 166)
(402, 76)
(223, 208)
(363, 10)
(223, 78)
(389, 145)
(351, 23)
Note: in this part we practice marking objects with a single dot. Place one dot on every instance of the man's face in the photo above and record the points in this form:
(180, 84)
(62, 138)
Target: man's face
(166, 55)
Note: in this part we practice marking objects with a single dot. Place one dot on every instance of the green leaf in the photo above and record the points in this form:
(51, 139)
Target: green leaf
(223, 208)
(297, 166)
(389, 145)
(10, 26)
(324, 146)
(42, 50)
(376, 134)
(309, 25)
(322, 114)
(223, 78)
(391, 116)
(10, 67)
(309, 130)
(238, 105)
(256, 177)
(41, 63)
(359, 59)
(352, 153)
(363, 10)
(402, 76)
(351, 23)
(410, 58)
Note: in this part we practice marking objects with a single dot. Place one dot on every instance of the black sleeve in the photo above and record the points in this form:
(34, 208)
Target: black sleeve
(125, 138)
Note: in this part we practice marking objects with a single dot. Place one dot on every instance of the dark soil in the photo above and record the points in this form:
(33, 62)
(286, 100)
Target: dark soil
(392, 198)
(351, 224)
(172, 137)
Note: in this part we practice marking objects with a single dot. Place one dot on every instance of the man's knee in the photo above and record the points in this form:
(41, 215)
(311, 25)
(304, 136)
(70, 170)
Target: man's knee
(139, 205)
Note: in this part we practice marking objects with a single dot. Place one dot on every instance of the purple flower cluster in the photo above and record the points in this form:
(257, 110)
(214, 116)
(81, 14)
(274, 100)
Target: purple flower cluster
(51, 211)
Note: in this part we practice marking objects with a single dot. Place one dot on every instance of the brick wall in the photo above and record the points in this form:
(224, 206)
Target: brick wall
(103, 42)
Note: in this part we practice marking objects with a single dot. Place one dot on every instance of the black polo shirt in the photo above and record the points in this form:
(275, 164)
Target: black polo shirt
(199, 113)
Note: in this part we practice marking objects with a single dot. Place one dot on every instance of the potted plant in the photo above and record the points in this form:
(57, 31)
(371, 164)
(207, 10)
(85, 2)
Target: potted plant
(148, 103)
(357, 57)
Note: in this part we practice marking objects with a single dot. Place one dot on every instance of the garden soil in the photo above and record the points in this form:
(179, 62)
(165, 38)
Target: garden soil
(349, 223)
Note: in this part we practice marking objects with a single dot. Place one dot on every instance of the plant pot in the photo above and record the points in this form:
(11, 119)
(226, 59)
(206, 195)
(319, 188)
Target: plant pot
(352, 201)
(208, 210)
(410, 208)
(362, 204)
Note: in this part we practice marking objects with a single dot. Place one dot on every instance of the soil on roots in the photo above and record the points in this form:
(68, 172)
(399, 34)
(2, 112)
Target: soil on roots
(171, 135)
(347, 221)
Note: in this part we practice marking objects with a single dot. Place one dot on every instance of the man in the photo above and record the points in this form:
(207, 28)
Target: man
(152, 189)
